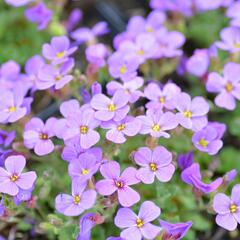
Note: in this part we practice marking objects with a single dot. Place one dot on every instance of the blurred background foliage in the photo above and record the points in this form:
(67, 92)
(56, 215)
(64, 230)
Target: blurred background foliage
(20, 40)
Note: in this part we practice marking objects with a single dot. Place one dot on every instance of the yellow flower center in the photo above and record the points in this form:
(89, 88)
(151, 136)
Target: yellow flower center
(237, 45)
(84, 171)
(140, 52)
(83, 129)
(139, 223)
(149, 29)
(123, 69)
(187, 114)
(119, 184)
(202, 142)
(229, 87)
(43, 136)
(12, 109)
(233, 208)
(14, 177)
(156, 128)
(121, 127)
(77, 199)
(60, 54)
(58, 77)
(111, 107)
(162, 99)
(153, 167)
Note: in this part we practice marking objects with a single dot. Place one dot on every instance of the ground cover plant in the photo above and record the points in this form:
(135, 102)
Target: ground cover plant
(119, 120)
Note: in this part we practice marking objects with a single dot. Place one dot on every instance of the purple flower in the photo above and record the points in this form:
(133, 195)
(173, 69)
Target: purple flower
(18, 3)
(219, 127)
(83, 168)
(69, 108)
(115, 238)
(185, 160)
(96, 54)
(161, 98)
(115, 182)
(2, 210)
(156, 123)
(58, 77)
(206, 140)
(59, 50)
(37, 135)
(174, 231)
(6, 138)
(108, 109)
(228, 86)
(32, 67)
(39, 14)
(154, 163)
(23, 195)
(78, 202)
(129, 126)
(72, 150)
(84, 34)
(169, 43)
(227, 209)
(136, 226)
(82, 125)
(12, 179)
(123, 66)
(229, 176)
(74, 18)
(230, 39)
(130, 88)
(192, 176)
(233, 13)
(13, 105)
(144, 47)
(207, 5)
(198, 63)
(153, 22)
(87, 222)
(192, 113)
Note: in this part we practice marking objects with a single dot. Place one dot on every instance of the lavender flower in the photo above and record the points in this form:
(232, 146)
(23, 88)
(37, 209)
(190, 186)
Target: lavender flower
(6, 138)
(78, 202)
(115, 182)
(107, 109)
(123, 66)
(72, 150)
(129, 126)
(227, 209)
(84, 34)
(18, 3)
(192, 113)
(96, 54)
(58, 77)
(161, 97)
(12, 179)
(185, 160)
(23, 195)
(192, 176)
(156, 123)
(37, 135)
(233, 13)
(83, 168)
(59, 50)
(82, 125)
(206, 140)
(230, 39)
(228, 86)
(13, 105)
(136, 226)
(39, 14)
(130, 88)
(174, 231)
(154, 163)
(198, 63)
(74, 18)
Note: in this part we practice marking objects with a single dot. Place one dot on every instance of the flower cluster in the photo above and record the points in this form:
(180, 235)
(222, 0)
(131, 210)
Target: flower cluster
(98, 121)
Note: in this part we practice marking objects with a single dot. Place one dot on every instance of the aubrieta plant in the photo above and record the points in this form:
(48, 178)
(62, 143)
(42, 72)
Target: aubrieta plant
(134, 141)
